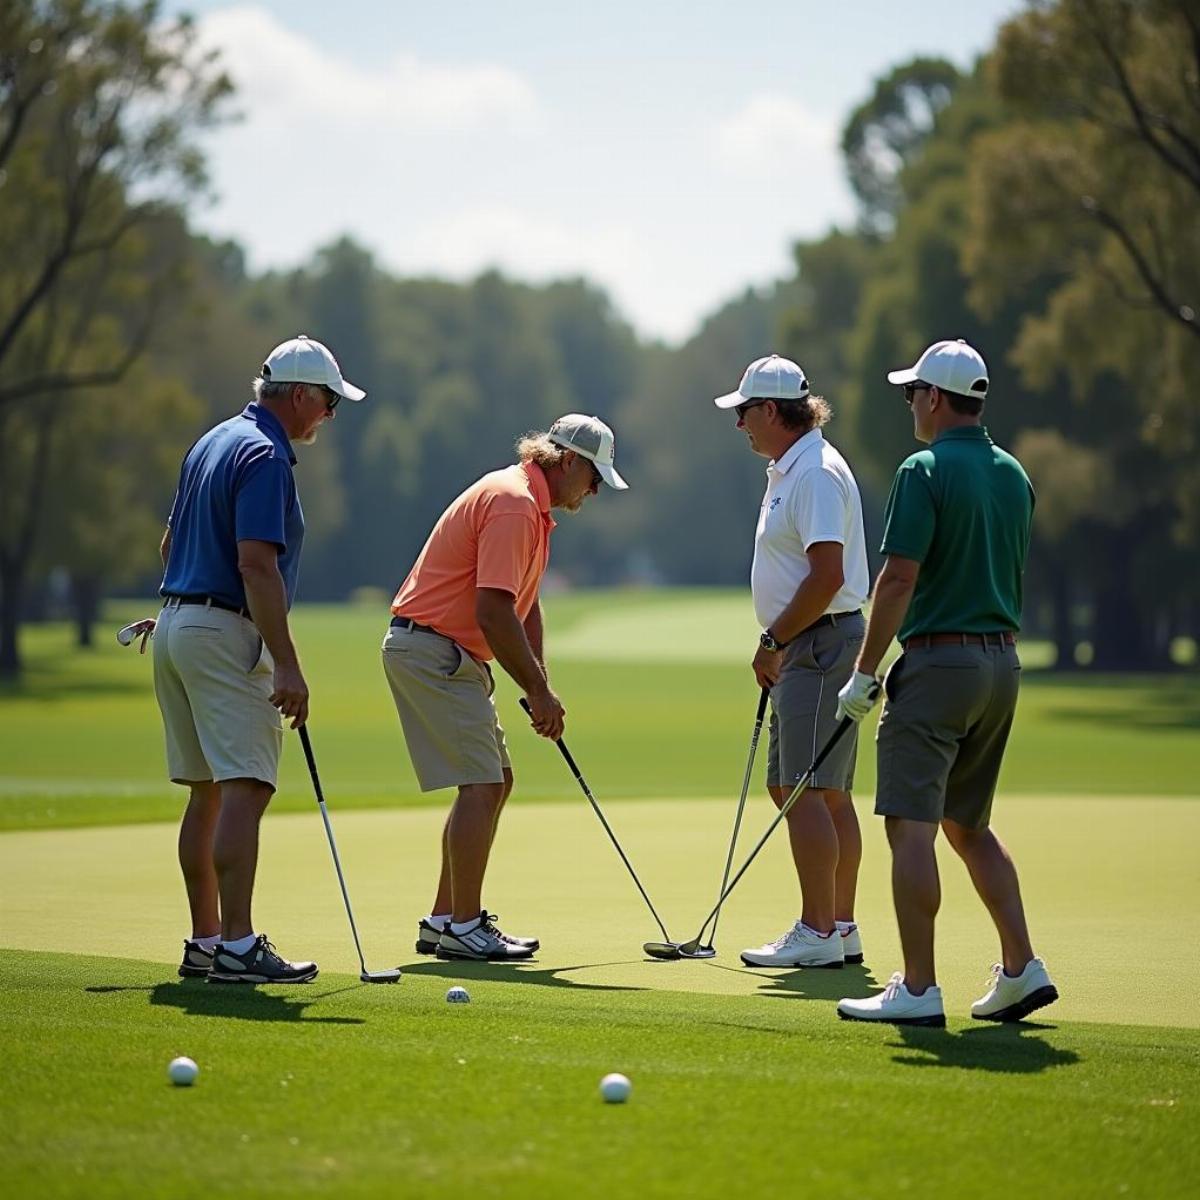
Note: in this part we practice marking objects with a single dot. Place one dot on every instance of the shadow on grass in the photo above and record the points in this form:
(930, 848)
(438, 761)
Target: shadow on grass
(517, 972)
(240, 1002)
(1165, 702)
(1005, 1049)
(813, 984)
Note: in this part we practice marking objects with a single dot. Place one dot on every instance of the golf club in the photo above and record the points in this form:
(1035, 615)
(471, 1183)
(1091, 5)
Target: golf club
(696, 947)
(392, 976)
(562, 747)
(737, 820)
(143, 629)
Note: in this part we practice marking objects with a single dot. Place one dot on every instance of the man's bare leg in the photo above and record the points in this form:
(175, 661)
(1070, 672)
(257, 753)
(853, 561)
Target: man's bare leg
(917, 894)
(815, 852)
(196, 832)
(469, 832)
(849, 843)
(235, 852)
(995, 879)
(444, 901)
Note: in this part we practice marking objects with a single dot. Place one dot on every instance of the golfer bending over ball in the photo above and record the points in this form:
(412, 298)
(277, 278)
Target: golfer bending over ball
(956, 533)
(473, 596)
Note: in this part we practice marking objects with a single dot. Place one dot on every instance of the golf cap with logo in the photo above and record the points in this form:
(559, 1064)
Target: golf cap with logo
(593, 439)
(951, 366)
(770, 378)
(302, 360)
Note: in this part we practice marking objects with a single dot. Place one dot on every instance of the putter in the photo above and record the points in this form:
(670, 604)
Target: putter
(612, 837)
(697, 948)
(392, 976)
(737, 820)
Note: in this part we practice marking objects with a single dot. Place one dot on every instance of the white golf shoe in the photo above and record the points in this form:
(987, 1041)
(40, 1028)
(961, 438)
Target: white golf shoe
(799, 947)
(1014, 997)
(896, 1005)
(852, 950)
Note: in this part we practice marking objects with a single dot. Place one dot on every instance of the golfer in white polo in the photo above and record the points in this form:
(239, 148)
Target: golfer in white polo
(809, 580)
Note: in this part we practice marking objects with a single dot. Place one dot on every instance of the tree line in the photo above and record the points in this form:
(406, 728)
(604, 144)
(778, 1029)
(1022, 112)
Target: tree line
(1045, 205)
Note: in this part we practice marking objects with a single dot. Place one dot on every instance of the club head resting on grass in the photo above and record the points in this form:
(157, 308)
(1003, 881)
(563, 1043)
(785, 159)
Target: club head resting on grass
(670, 951)
(392, 976)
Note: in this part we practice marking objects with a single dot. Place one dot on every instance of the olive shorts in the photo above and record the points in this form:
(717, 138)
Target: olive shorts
(444, 699)
(816, 665)
(941, 737)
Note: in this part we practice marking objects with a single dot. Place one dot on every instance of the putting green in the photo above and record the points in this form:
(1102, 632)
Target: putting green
(1100, 875)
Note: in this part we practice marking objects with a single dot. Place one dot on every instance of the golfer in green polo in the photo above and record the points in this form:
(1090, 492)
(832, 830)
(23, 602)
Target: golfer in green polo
(956, 534)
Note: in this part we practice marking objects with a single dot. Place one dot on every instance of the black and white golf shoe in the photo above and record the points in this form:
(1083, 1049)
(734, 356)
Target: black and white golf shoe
(196, 960)
(260, 964)
(428, 937)
(483, 943)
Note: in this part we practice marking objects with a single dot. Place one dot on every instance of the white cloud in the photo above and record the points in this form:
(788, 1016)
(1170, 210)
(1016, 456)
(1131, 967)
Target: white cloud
(772, 137)
(283, 77)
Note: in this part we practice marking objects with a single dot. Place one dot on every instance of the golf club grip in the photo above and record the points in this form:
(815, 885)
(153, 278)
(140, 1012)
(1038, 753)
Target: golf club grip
(312, 762)
(562, 746)
(763, 697)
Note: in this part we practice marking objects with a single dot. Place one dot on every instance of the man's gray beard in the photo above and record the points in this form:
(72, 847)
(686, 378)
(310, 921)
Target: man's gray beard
(307, 440)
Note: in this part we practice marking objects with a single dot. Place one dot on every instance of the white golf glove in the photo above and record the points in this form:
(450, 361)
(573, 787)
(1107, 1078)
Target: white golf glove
(858, 697)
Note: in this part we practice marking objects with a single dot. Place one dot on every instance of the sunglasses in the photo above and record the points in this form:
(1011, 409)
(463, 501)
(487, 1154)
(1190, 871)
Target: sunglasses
(743, 408)
(911, 389)
(332, 398)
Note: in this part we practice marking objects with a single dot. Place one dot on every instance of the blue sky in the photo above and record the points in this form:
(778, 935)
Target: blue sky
(671, 152)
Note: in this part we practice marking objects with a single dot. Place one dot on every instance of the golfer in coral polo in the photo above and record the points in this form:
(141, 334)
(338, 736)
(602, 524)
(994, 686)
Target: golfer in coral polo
(471, 597)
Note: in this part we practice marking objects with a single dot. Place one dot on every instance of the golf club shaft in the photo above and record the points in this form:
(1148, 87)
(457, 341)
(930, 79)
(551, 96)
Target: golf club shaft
(784, 809)
(312, 770)
(612, 837)
(737, 820)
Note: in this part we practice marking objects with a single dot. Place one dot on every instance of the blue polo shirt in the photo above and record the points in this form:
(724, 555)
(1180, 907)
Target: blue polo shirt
(236, 485)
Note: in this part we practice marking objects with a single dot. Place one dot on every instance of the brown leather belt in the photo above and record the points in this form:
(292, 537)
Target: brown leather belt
(985, 640)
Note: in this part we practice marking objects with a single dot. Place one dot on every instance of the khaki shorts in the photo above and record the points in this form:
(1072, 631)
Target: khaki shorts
(444, 698)
(942, 735)
(213, 681)
(816, 665)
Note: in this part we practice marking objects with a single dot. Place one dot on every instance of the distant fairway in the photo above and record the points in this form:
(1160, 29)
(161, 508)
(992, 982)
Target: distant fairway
(339, 1089)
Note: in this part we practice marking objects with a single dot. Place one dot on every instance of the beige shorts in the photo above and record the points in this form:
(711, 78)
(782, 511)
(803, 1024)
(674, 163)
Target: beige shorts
(444, 698)
(213, 681)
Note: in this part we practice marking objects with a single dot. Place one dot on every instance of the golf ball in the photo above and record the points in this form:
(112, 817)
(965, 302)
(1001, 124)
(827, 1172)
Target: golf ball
(183, 1071)
(615, 1088)
(458, 995)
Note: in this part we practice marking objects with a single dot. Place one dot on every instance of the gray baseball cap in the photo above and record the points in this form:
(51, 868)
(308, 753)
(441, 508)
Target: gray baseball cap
(593, 439)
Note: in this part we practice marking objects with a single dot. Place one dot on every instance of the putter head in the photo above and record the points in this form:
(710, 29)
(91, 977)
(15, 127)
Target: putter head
(694, 949)
(667, 951)
(392, 976)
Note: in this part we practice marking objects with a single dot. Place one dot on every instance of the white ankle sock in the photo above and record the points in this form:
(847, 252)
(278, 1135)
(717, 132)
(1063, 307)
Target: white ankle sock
(439, 921)
(845, 926)
(457, 927)
(206, 943)
(241, 945)
(810, 929)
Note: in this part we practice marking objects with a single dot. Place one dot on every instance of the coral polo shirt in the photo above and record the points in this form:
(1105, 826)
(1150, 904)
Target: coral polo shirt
(495, 535)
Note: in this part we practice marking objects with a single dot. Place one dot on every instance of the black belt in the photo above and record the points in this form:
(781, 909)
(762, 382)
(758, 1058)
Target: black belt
(830, 619)
(408, 623)
(205, 602)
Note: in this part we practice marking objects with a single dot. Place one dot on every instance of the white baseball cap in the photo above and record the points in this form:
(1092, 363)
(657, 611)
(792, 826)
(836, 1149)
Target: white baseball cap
(302, 360)
(593, 439)
(952, 366)
(770, 378)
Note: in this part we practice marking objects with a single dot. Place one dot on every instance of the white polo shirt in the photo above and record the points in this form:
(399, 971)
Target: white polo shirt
(811, 497)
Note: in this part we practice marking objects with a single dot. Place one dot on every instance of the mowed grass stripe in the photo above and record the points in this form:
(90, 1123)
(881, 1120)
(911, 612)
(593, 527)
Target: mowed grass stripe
(353, 1091)
(1097, 874)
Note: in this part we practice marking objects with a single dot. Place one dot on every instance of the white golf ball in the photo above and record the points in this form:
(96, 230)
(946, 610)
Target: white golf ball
(183, 1071)
(615, 1088)
(458, 995)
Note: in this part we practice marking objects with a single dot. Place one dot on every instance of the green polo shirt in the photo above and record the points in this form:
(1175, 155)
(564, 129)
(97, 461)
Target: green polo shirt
(963, 509)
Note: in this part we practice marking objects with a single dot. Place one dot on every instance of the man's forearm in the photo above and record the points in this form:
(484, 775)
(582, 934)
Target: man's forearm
(892, 596)
(507, 638)
(812, 598)
(534, 634)
(266, 598)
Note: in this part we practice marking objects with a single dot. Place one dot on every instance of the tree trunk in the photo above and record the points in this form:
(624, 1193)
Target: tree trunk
(1062, 632)
(86, 594)
(11, 586)
(1123, 635)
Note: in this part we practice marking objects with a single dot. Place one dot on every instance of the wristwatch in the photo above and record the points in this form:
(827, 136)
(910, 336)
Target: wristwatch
(767, 641)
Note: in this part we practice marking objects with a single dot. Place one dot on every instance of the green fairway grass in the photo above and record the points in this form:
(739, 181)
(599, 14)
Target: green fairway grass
(344, 1090)
(659, 699)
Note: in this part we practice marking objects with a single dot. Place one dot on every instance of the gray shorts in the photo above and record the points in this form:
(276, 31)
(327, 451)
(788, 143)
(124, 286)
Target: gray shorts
(942, 735)
(816, 665)
(444, 699)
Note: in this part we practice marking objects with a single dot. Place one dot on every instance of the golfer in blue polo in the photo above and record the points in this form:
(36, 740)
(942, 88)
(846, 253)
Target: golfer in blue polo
(226, 671)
